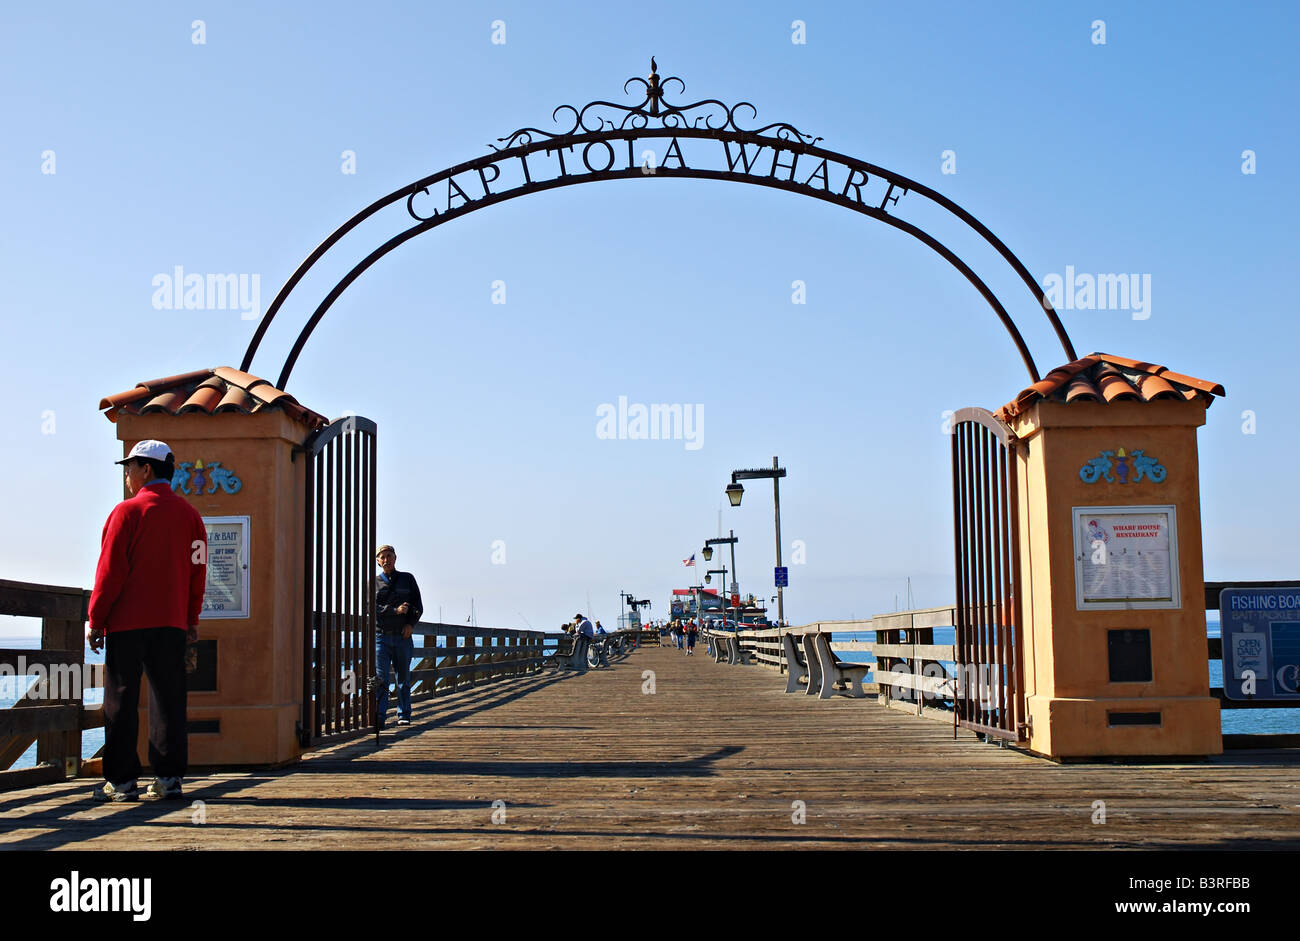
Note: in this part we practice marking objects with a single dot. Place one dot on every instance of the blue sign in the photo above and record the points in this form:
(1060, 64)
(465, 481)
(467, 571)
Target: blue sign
(1260, 628)
(782, 577)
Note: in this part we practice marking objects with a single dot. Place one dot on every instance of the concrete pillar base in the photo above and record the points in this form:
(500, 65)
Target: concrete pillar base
(1095, 728)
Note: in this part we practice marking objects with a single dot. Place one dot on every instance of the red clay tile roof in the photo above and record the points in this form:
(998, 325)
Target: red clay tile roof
(211, 391)
(1101, 377)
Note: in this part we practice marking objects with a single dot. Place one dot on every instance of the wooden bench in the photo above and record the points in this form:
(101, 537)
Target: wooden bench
(795, 662)
(571, 653)
(832, 669)
(727, 646)
(717, 645)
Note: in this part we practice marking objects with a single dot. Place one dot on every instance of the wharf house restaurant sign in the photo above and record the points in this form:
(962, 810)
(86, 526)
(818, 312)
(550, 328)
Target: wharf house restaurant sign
(1260, 628)
(1125, 557)
(226, 595)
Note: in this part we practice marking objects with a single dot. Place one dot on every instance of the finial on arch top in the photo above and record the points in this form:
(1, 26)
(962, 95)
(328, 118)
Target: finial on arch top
(710, 113)
(653, 91)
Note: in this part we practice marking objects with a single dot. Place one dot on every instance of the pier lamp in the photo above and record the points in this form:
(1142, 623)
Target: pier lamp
(730, 540)
(735, 491)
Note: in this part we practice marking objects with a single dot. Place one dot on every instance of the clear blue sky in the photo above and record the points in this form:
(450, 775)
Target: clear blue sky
(226, 157)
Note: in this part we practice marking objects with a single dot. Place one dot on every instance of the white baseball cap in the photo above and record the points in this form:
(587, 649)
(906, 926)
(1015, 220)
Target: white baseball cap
(149, 449)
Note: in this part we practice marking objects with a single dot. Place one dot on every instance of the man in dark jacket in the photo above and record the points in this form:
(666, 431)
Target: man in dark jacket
(397, 608)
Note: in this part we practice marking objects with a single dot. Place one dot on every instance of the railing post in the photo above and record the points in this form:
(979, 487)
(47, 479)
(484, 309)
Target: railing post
(63, 748)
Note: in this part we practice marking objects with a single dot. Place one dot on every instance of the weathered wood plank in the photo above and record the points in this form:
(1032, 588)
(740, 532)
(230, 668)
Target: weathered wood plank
(863, 646)
(917, 651)
(37, 719)
(911, 681)
(24, 599)
(30, 777)
(92, 717)
(14, 657)
(919, 618)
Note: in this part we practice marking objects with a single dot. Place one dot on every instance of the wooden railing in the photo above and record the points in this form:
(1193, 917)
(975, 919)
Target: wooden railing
(469, 656)
(908, 662)
(909, 674)
(54, 725)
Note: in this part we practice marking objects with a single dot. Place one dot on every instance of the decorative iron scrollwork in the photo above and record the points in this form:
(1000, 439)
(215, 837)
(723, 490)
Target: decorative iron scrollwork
(588, 119)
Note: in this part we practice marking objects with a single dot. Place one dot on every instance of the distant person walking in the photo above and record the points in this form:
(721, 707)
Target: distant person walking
(397, 609)
(145, 606)
(691, 630)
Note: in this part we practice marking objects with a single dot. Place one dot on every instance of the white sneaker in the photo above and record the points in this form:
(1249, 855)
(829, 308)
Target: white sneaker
(163, 789)
(117, 793)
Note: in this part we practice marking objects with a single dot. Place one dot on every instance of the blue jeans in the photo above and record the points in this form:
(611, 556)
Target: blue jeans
(396, 650)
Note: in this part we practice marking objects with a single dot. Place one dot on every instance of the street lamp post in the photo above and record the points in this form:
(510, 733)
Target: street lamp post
(722, 541)
(708, 577)
(734, 493)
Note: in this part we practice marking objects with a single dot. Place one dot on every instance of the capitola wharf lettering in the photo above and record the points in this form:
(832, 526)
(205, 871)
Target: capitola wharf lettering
(703, 140)
(769, 161)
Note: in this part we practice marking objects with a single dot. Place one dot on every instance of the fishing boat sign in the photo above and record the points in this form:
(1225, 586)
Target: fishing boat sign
(1261, 642)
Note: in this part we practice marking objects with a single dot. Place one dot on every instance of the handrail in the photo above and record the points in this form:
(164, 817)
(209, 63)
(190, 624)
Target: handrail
(53, 724)
(482, 654)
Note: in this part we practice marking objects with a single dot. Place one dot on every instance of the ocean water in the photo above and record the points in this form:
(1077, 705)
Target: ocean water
(1233, 720)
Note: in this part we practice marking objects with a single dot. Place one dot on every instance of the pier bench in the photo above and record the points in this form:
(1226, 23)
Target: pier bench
(720, 648)
(796, 663)
(571, 653)
(831, 669)
(728, 646)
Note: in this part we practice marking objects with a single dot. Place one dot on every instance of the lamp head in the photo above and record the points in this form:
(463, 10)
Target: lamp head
(734, 492)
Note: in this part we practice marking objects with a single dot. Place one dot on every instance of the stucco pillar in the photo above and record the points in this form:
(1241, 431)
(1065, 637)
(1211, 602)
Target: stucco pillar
(1116, 659)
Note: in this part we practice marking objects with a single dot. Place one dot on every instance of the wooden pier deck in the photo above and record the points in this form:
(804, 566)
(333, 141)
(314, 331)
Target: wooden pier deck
(715, 758)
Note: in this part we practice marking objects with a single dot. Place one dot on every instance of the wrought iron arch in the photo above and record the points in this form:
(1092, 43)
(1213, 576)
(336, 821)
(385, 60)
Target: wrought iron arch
(593, 130)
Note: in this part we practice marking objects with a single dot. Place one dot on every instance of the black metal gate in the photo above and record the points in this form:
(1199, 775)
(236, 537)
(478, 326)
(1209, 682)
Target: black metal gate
(989, 649)
(339, 582)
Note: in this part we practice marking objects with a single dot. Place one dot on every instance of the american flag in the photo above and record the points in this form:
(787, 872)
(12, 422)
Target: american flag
(690, 561)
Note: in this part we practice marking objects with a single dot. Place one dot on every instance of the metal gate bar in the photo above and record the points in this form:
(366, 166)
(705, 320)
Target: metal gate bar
(338, 584)
(990, 697)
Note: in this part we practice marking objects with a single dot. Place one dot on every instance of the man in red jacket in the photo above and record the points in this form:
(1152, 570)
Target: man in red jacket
(148, 593)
